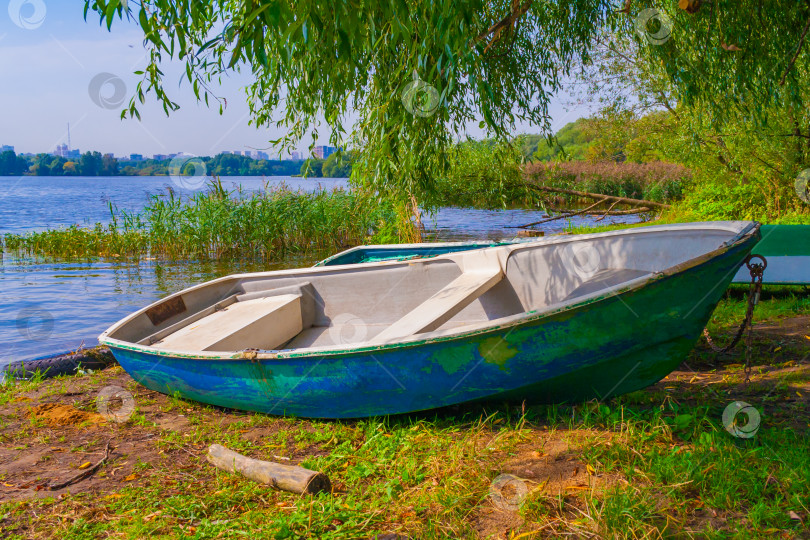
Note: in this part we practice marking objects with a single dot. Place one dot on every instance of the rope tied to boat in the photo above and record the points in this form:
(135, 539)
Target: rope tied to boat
(756, 270)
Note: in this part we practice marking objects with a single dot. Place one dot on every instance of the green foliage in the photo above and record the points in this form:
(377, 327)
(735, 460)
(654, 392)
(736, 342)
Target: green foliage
(572, 141)
(339, 165)
(90, 164)
(745, 148)
(11, 164)
(485, 174)
(312, 167)
(497, 63)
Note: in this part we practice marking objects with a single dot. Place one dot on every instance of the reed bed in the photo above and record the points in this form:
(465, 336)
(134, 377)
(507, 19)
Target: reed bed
(657, 181)
(216, 223)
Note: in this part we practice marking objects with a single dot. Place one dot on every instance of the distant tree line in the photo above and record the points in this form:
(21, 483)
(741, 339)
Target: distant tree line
(337, 165)
(96, 164)
(11, 164)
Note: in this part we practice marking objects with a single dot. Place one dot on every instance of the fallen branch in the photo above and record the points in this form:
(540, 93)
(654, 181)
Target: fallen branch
(285, 477)
(624, 200)
(84, 474)
(629, 212)
(607, 212)
(526, 226)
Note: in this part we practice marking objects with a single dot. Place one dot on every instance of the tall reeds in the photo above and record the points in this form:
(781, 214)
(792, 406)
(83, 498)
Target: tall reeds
(215, 223)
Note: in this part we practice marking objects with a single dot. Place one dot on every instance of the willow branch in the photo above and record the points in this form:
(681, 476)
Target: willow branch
(518, 10)
(795, 56)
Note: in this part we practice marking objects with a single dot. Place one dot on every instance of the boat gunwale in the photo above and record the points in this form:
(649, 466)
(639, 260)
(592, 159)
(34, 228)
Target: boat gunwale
(437, 336)
(437, 245)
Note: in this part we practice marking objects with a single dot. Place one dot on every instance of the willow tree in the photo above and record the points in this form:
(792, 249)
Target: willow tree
(396, 79)
(733, 90)
(400, 79)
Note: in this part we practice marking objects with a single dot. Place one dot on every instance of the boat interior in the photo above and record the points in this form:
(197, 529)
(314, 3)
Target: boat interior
(384, 302)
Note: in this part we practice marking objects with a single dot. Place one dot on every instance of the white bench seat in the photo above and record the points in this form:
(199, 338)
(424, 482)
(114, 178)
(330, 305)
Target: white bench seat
(261, 323)
(444, 305)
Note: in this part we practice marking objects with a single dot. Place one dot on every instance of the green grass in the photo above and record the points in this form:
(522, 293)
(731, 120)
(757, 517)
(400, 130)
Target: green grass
(659, 461)
(216, 224)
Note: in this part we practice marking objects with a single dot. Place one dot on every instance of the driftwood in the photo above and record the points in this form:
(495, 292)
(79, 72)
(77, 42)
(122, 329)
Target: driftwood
(84, 474)
(624, 200)
(285, 477)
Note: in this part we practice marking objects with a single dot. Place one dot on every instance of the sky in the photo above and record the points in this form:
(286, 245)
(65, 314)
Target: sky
(56, 69)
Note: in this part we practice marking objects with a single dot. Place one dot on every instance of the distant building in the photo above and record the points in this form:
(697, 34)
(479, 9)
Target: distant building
(295, 156)
(136, 157)
(324, 152)
(262, 155)
(6, 148)
(63, 152)
(160, 157)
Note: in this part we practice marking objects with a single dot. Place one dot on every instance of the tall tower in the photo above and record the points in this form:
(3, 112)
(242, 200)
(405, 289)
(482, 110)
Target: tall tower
(69, 136)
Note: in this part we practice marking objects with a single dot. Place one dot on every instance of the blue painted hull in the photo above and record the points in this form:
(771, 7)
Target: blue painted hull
(603, 347)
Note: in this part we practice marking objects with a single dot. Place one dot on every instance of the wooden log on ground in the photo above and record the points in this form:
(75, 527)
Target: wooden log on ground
(624, 200)
(285, 477)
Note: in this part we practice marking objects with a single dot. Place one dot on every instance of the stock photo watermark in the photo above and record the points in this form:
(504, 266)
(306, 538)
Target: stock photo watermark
(582, 258)
(27, 14)
(654, 25)
(35, 324)
(107, 90)
(347, 328)
(802, 185)
(115, 403)
(508, 492)
(188, 171)
(741, 419)
(420, 98)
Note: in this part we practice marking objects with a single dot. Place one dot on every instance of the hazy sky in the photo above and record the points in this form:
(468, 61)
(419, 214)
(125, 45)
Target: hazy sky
(50, 58)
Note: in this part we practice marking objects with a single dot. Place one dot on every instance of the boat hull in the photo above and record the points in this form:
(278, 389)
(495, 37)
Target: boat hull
(602, 347)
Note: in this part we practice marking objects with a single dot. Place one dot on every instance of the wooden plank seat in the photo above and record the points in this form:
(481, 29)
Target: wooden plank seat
(444, 304)
(260, 323)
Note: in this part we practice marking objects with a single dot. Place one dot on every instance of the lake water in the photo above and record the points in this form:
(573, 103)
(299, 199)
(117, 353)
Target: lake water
(50, 306)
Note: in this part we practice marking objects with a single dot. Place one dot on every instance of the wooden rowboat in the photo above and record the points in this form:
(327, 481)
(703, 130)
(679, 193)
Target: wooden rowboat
(558, 319)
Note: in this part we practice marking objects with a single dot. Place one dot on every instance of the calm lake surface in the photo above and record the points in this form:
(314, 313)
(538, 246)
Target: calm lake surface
(50, 306)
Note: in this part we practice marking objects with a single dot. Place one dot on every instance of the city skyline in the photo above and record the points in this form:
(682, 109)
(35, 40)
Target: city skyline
(63, 150)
